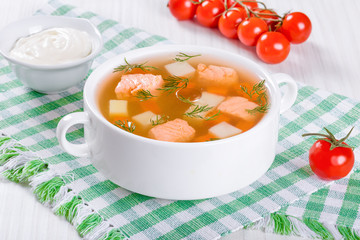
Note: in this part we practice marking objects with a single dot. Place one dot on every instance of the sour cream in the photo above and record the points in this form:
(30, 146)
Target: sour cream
(52, 46)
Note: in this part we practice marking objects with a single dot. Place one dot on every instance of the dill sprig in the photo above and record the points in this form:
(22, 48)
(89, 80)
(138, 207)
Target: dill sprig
(144, 95)
(185, 100)
(260, 90)
(182, 57)
(259, 109)
(212, 117)
(159, 120)
(129, 67)
(195, 112)
(198, 109)
(173, 83)
(126, 125)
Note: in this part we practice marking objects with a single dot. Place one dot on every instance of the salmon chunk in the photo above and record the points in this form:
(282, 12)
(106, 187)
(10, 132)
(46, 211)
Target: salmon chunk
(237, 106)
(130, 84)
(177, 130)
(216, 76)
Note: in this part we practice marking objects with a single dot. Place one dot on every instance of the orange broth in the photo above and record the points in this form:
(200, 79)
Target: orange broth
(165, 104)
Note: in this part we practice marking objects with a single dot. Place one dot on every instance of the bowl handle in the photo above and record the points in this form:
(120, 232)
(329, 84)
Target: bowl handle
(78, 150)
(290, 94)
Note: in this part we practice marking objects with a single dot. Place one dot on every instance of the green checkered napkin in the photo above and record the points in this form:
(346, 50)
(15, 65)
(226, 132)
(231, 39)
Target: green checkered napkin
(330, 213)
(99, 209)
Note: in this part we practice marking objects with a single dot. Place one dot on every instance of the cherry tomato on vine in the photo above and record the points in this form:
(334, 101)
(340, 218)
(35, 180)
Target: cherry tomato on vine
(272, 47)
(250, 30)
(269, 16)
(209, 11)
(296, 27)
(331, 159)
(230, 20)
(251, 3)
(182, 9)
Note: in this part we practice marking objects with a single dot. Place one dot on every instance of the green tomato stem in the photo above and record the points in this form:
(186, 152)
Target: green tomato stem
(330, 138)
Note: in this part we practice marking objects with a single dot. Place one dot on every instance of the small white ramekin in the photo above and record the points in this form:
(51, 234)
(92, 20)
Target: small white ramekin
(49, 78)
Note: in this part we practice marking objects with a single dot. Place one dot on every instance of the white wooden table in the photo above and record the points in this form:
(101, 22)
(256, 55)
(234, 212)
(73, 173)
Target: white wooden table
(330, 59)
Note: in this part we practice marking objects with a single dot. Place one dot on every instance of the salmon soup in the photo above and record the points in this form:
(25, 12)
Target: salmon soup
(187, 98)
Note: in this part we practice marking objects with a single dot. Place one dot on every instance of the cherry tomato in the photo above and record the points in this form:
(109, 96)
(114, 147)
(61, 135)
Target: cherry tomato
(331, 159)
(182, 9)
(268, 16)
(250, 30)
(251, 3)
(330, 164)
(230, 20)
(296, 27)
(209, 11)
(272, 47)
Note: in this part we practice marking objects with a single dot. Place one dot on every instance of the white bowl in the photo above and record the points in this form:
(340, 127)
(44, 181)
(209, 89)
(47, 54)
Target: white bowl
(178, 170)
(49, 78)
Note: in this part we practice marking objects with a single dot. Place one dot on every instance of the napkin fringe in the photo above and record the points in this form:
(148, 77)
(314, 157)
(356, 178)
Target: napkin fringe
(308, 228)
(18, 164)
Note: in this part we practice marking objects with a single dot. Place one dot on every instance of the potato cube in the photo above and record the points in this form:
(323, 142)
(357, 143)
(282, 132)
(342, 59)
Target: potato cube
(192, 108)
(144, 119)
(224, 130)
(118, 108)
(210, 99)
(180, 69)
